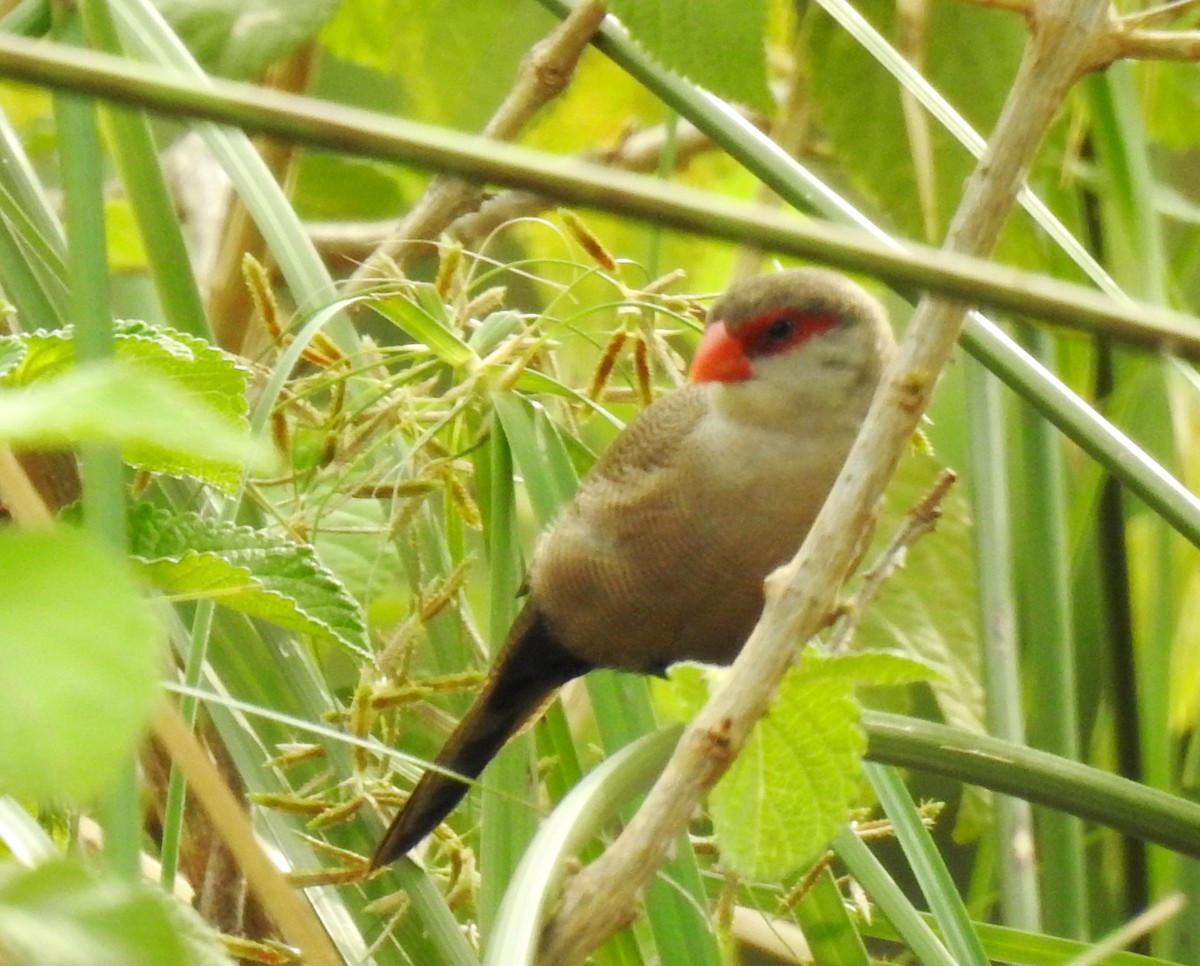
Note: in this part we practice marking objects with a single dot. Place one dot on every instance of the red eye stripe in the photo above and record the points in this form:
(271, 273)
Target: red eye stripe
(782, 329)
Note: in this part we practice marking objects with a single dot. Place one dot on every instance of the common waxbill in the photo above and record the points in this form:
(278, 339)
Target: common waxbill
(662, 554)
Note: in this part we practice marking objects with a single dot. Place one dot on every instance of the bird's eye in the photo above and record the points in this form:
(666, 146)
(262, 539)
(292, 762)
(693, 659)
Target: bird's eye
(773, 334)
(781, 330)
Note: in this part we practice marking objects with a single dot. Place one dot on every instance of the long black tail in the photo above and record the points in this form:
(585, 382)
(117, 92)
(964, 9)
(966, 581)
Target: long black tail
(531, 665)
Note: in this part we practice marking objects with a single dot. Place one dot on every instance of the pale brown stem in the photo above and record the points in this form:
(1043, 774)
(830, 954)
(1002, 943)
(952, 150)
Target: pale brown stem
(230, 308)
(293, 917)
(1122, 39)
(603, 897)
(1155, 45)
(912, 21)
(18, 494)
(544, 75)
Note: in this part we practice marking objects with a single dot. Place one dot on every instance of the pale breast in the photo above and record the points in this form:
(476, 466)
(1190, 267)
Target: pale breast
(662, 554)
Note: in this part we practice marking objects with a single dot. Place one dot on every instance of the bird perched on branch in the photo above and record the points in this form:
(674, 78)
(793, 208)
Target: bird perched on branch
(661, 555)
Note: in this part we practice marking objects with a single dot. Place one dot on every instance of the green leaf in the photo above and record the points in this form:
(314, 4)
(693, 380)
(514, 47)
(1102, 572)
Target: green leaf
(348, 542)
(873, 668)
(197, 372)
(242, 38)
(790, 790)
(65, 914)
(213, 374)
(156, 424)
(539, 454)
(494, 329)
(423, 317)
(929, 608)
(248, 570)
(441, 61)
(79, 664)
(793, 785)
(718, 45)
(827, 925)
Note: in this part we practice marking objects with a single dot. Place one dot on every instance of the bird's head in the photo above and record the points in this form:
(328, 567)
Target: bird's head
(802, 337)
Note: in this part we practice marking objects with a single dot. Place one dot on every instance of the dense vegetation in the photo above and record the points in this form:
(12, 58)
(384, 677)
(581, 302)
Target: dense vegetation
(299, 451)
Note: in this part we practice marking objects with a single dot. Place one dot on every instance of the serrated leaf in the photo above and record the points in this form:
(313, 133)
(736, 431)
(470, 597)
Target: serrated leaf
(79, 664)
(246, 569)
(208, 372)
(718, 45)
(205, 373)
(792, 787)
(156, 424)
(684, 690)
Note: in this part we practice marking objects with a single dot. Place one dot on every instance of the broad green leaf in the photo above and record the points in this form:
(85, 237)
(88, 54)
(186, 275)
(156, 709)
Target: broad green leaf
(794, 783)
(718, 45)
(258, 573)
(206, 371)
(929, 607)
(242, 38)
(792, 787)
(1172, 100)
(337, 187)
(860, 111)
(685, 690)
(197, 372)
(348, 541)
(79, 664)
(65, 914)
(157, 424)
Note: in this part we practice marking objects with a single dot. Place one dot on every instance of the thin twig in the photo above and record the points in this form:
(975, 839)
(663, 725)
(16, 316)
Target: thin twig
(638, 152)
(603, 897)
(919, 520)
(1157, 45)
(544, 75)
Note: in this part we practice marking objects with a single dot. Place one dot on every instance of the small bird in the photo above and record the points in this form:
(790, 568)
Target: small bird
(662, 553)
